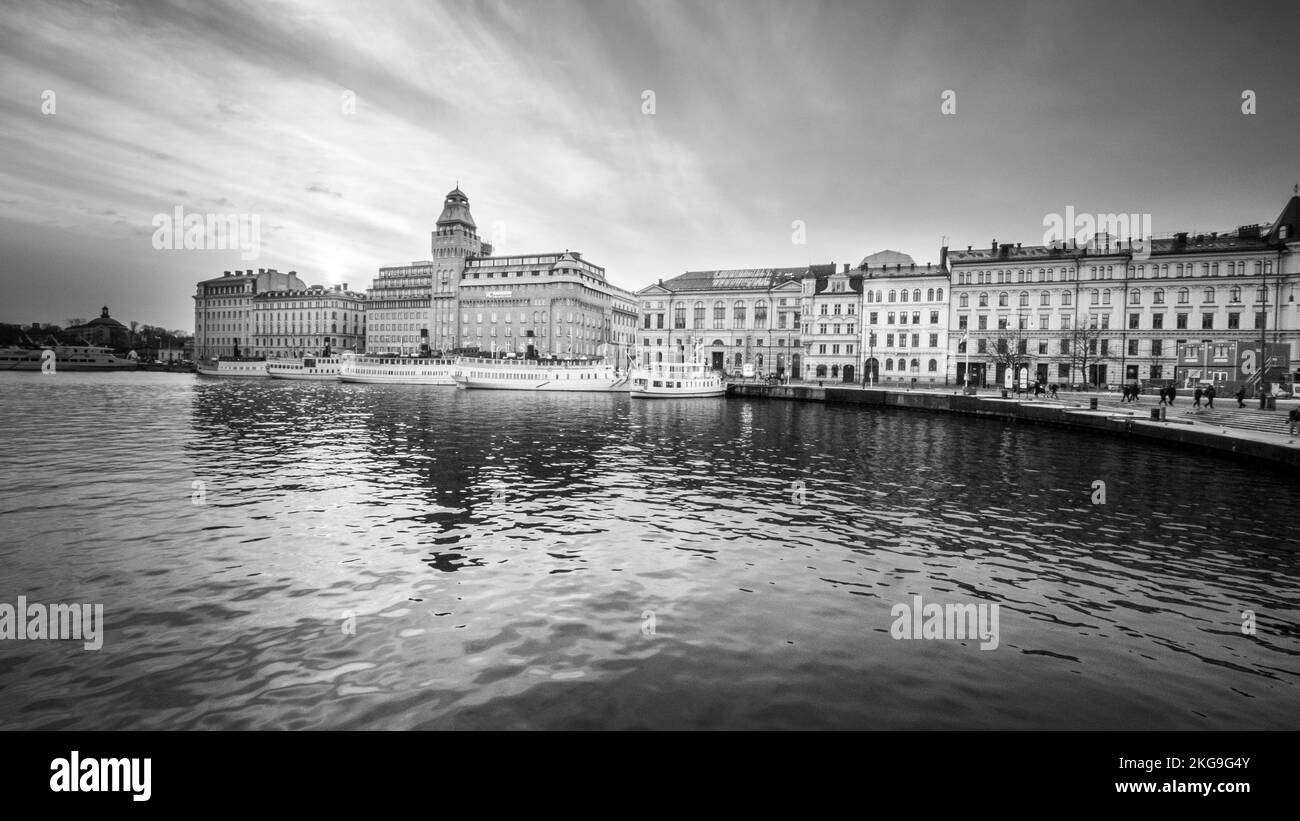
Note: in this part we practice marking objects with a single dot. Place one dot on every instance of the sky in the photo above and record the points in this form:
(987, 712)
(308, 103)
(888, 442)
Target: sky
(774, 133)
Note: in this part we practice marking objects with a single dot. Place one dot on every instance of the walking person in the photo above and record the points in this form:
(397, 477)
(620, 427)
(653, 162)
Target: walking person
(1293, 418)
(1173, 394)
(1164, 397)
(1196, 397)
(1209, 396)
(1052, 389)
(1241, 396)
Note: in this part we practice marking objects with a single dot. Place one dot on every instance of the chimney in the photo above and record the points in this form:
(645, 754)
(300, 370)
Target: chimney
(994, 248)
(846, 268)
(260, 271)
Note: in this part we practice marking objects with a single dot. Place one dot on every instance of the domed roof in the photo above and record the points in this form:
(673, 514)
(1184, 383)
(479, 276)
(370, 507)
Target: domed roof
(886, 257)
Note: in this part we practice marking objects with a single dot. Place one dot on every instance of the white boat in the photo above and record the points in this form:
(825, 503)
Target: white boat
(65, 358)
(677, 379)
(233, 367)
(309, 368)
(391, 369)
(584, 375)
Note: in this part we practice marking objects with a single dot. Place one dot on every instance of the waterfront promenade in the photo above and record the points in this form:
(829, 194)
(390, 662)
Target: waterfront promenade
(1243, 432)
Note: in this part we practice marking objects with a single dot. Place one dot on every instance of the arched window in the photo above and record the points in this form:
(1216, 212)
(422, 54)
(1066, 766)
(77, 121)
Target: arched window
(1044, 298)
(821, 370)
(902, 295)
(1002, 299)
(1024, 299)
(1235, 295)
(835, 371)
(916, 295)
(902, 364)
(929, 295)
(889, 364)
(1066, 297)
(916, 364)
(1105, 297)
(1183, 295)
(1096, 296)
(871, 296)
(934, 365)
(738, 362)
(1158, 296)
(1209, 294)
(938, 295)
(698, 319)
(760, 314)
(984, 300)
(963, 301)
(719, 314)
(893, 296)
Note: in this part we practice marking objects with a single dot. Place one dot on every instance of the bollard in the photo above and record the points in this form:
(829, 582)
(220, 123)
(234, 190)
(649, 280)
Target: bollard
(1092, 403)
(1156, 413)
(1004, 394)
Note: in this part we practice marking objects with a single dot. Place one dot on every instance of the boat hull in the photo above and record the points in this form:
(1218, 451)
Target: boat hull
(320, 369)
(233, 370)
(701, 393)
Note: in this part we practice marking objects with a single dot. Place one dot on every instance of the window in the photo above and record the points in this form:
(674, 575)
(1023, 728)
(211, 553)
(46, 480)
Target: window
(760, 313)
(1135, 297)
(1158, 296)
(1180, 322)
(719, 314)
(934, 317)
(679, 317)
(1157, 371)
(1132, 347)
(1044, 298)
(1207, 322)
(1157, 346)
(983, 322)
(1024, 299)
(1002, 299)
(1183, 295)
(963, 301)
(1234, 321)
(934, 340)
(697, 321)
(984, 300)
(1209, 294)
(1133, 321)
(875, 316)
(963, 322)
(1066, 298)
(738, 314)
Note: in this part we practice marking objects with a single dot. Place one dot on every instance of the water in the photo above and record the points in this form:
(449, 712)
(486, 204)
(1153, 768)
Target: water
(515, 560)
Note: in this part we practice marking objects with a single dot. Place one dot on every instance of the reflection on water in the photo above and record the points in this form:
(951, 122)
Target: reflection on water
(405, 556)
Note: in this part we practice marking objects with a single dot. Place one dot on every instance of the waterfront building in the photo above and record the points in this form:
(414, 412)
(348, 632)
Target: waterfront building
(749, 316)
(414, 309)
(831, 310)
(296, 323)
(905, 320)
(102, 330)
(1108, 312)
(556, 304)
(546, 304)
(223, 309)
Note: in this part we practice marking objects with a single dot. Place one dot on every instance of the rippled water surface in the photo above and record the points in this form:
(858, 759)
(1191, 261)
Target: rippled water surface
(520, 560)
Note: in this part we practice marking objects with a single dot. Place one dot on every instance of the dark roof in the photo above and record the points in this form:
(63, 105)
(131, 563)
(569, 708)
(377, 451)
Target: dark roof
(1244, 238)
(737, 279)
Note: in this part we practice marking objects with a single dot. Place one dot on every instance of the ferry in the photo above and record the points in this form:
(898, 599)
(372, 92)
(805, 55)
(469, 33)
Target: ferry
(309, 368)
(236, 367)
(587, 375)
(65, 358)
(677, 379)
(392, 369)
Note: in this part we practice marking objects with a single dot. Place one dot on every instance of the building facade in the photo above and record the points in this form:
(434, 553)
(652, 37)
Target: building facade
(554, 304)
(291, 324)
(223, 309)
(1108, 313)
(466, 299)
(103, 330)
(830, 307)
(750, 316)
(906, 321)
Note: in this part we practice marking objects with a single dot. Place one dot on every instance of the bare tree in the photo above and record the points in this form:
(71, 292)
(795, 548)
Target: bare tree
(1089, 345)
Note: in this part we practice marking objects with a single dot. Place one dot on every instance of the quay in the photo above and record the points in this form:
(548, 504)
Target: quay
(1259, 436)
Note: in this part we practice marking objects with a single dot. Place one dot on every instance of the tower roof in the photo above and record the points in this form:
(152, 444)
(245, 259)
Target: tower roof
(455, 210)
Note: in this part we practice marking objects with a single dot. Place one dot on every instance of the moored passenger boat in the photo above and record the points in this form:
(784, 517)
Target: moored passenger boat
(309, 368)
(677, 379)
(65, 358)
(583, 375)
(392, 369)
(233, 367)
